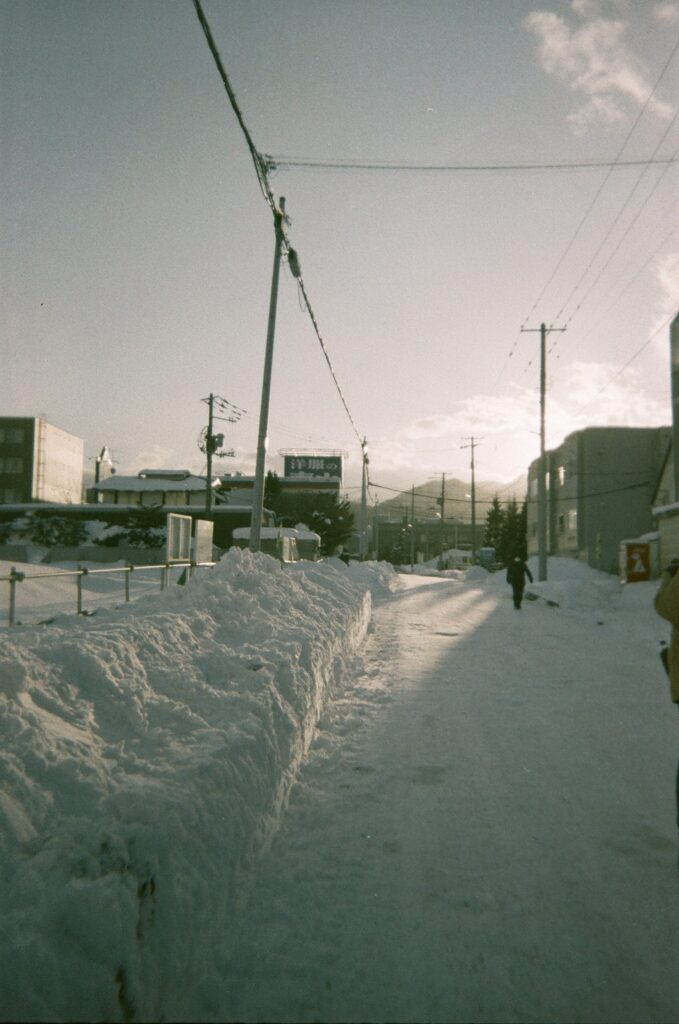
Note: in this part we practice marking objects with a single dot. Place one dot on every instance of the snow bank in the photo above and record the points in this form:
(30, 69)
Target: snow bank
(145, 758)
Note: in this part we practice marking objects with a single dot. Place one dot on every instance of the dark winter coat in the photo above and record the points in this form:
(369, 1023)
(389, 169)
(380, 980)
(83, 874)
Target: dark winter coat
(517, 572)
(667, 605)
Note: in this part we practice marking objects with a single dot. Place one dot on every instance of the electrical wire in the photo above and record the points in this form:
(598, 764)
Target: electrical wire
(263, 165)
(628, 363)
(616, 221)
(526, 501)
(277, 162)
(616, 163)
(630, 281)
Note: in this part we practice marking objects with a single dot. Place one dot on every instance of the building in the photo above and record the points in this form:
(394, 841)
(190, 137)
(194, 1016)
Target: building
(666, 497)
(39, 462)
(240, 488)
(600, 487)
(154, 487)
(398, 540)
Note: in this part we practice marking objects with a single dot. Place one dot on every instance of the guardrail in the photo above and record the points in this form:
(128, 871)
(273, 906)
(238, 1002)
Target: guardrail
(16, 577)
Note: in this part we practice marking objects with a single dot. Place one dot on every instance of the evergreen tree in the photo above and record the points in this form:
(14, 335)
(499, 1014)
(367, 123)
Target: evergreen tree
(326, 514)
(513, 538)
(272, 491)
(495, 518)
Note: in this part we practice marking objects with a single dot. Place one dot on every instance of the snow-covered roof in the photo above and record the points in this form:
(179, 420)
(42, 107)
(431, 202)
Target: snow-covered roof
(666, 510)
(267, 532)
(155, 482)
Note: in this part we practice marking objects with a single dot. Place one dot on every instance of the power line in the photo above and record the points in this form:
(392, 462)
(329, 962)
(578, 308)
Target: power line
(279, 162)
(629, 281)
(616, 163)
(258, 160)
(628, 363)
(616, 249)
(527, 500)
(616, 221)
(262, 166)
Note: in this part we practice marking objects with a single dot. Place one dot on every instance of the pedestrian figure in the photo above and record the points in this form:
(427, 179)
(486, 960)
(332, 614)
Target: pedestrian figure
(667, 605)
(517, 570)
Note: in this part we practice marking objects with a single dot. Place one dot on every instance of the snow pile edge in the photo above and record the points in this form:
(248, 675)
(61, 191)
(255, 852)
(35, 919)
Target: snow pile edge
(145, 760)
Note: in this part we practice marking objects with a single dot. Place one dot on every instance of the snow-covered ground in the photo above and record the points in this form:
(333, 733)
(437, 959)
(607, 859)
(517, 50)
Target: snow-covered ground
(481, 802)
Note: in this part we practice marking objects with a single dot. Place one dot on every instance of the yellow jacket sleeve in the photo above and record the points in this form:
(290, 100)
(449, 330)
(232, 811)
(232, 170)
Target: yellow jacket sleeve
(667, 598)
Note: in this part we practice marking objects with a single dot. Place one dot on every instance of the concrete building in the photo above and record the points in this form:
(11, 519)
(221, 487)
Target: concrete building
(39, 462)
(666, 497)
(240, 488)
(600, 487)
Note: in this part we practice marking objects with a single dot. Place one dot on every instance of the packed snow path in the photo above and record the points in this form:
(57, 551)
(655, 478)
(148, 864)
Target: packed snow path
(484, 829)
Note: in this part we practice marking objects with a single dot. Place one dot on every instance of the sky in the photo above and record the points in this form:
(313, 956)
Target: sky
(138, 247)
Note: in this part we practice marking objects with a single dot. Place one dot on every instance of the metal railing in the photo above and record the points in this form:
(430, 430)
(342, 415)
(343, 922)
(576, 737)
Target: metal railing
(16, 577)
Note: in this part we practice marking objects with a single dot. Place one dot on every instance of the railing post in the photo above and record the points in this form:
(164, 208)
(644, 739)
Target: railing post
(14, 578)
(163, 576)
(81, 572)
(128, 570)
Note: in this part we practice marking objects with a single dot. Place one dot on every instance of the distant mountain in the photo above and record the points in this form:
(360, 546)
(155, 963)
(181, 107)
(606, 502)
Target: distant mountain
(457, 499)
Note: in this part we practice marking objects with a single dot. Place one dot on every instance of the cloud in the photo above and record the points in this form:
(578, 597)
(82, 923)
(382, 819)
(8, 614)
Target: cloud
(622, 402)
(593, 60)
(667, 277)
(666, 14)
(507, 426)
(153, 457)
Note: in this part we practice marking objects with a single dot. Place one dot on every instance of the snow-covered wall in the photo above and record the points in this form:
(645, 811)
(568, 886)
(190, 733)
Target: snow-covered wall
(145, 758)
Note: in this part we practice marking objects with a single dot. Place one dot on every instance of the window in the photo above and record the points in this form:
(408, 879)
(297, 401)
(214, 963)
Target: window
(11, 464)
(562, 475)
(572, 520)
(11, 435)
(11, 496)
(534, 488)
(562, 523)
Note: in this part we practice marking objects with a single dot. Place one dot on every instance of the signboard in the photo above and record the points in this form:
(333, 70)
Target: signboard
(202, 540)
(314, 466)
(636, 561)
(178, 538)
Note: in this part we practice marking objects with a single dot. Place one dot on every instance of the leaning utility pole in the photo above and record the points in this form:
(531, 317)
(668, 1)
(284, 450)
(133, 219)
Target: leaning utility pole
(542, 479)
(412, 528)
(473, 444)
(443, 520)
(363, 537)
(258, 491)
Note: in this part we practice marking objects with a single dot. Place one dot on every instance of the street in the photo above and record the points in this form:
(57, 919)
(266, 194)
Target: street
(483, 830)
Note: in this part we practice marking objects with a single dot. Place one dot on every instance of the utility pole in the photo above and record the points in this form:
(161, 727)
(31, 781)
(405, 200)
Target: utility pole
(209, 442)
(443, 519)
(473, 444)
(542, 479)
(209, 449)
(412, 528)
(363, 538)
(258, 491)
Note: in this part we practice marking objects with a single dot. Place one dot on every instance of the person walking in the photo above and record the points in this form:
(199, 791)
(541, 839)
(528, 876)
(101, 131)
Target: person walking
(517, 571)
(667, 606)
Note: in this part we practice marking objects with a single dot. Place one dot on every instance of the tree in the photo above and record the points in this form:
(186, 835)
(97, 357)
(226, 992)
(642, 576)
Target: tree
(51, 530)
(495, 518)
(513, 537)
(273, 490)
(326, 514)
